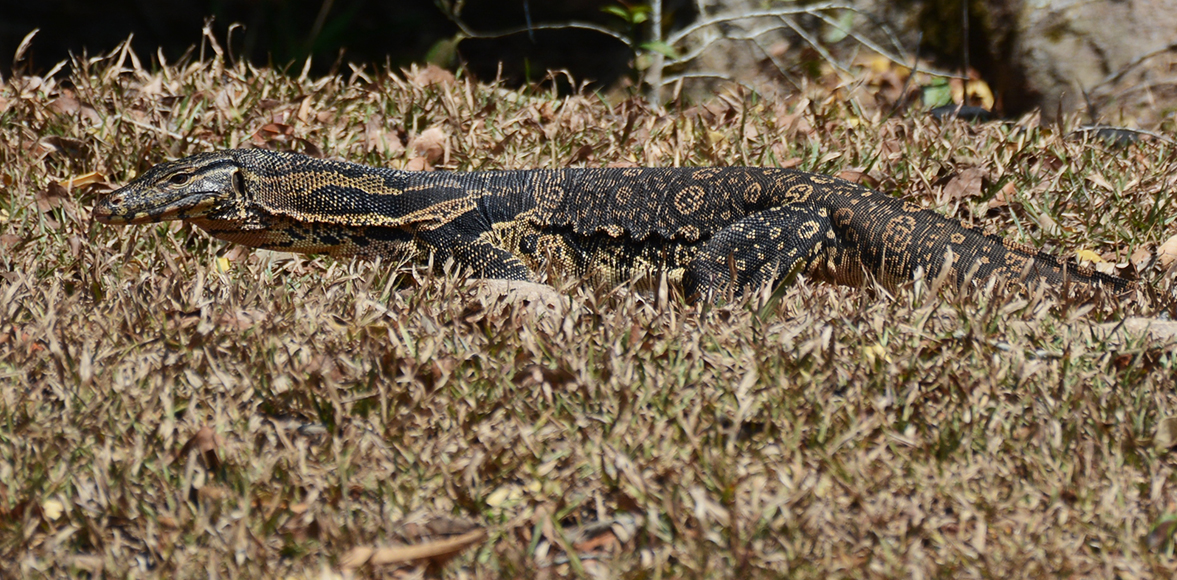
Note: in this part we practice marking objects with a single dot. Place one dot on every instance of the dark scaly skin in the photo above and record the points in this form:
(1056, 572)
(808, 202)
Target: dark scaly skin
(700, 225)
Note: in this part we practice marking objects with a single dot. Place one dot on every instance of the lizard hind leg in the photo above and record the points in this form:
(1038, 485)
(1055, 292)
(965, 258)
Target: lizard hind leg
(759, 249)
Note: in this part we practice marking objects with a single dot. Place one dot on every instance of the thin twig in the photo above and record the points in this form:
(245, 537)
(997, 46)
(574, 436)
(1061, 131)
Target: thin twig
(780, 66)
(816, 45)
(1116, 76)
(705, 44)
(654, 76)
(317, 27)
(471, 33)
(813, 10)
(1150, 85)
(964, 26)
(919, 41)
(897, 59)
(701, 24)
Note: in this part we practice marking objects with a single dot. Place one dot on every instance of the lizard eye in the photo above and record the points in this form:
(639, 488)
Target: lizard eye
(179, 178)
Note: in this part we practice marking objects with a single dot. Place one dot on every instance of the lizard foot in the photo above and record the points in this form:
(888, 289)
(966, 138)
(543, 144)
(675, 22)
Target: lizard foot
(540, 299)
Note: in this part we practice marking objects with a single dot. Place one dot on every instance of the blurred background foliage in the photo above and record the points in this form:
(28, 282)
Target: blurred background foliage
(1054, 56)
(272, 31)
(335, 32)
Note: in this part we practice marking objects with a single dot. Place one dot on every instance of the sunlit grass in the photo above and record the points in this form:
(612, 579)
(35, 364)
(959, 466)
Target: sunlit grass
(842, 434)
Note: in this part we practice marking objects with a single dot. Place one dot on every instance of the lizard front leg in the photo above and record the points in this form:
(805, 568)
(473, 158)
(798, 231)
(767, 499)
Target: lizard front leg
(759, 249)
(468, 240)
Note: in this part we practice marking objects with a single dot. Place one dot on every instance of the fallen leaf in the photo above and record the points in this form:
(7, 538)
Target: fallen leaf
(538, 374)
(277, 129)
(58, 144)
(52, 508)
(381, 140)
(1047, 224)
(979, 94)
(243, 319)
(356, 557)
(966, 184)
(309, 148)
(418, 164)
(1166, 435)
(205, 440)
(1002, 197)
(1088, 256)
(66, 104)
(304, 110)
(1142, 258)
(1099, 180)
(851, 175)
(506, 496)
(606, 539)
(211, 492)
(1162, 532)
(1167, 253)
(155, 87)
(585, 152)
(82, 180)
(90, 563)
(430, 144)
(433, 74)
(860, 176)
(438, 526)
(51, 196)
(440, 549)
(279, 132)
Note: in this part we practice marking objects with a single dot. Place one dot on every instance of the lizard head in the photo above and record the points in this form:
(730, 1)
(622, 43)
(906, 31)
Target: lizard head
(203, 186)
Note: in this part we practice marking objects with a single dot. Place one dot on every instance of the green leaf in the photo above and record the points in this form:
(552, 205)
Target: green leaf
(661, 48)
(837, 33)
(443, 53)
(937, 94)
(619, 12)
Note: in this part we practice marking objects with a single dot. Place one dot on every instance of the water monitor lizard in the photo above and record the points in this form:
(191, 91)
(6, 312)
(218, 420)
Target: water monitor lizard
(708, 228)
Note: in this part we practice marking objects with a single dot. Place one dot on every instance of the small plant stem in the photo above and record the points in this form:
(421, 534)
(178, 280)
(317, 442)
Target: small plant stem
(654, 75)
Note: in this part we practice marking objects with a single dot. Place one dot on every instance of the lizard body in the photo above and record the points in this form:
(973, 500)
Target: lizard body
(710, 229)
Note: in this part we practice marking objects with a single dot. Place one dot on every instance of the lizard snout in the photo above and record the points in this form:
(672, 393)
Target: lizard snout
(104, 211)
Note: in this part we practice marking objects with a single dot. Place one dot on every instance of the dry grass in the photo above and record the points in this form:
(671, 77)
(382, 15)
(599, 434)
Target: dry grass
(175, 407)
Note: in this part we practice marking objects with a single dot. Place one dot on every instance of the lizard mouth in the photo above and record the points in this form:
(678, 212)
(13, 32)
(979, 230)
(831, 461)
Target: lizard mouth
(121, 209)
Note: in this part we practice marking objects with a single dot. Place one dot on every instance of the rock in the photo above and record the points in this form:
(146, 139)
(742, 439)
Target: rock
(1117, 53)
(1052, 55)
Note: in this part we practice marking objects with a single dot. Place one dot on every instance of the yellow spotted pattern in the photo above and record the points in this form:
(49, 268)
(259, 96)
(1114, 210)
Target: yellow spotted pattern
(716, 231)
